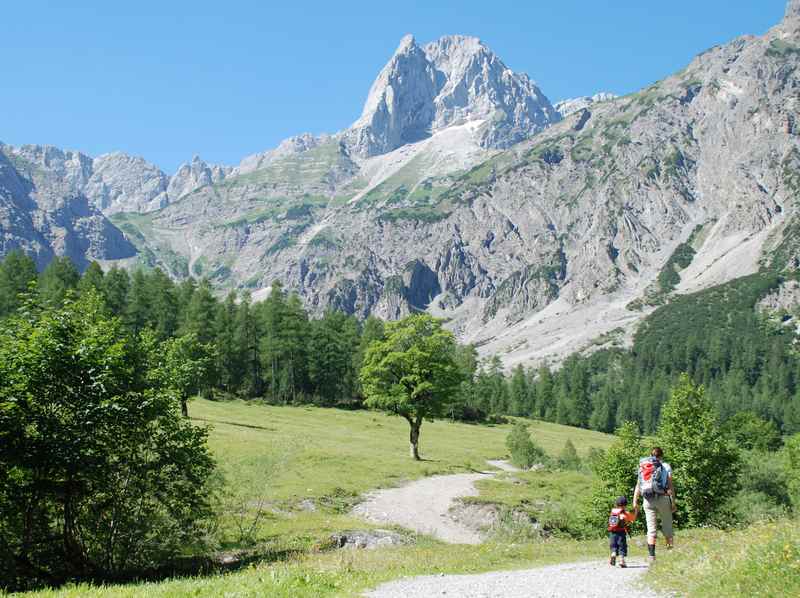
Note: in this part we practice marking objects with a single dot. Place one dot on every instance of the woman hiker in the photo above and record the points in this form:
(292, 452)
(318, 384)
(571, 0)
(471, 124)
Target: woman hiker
(654, 485)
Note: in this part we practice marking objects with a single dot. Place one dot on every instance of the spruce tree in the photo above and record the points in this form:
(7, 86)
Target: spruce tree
(17, 273)
(60, 277)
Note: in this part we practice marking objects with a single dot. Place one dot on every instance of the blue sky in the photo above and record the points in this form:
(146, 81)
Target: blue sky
(169, 79)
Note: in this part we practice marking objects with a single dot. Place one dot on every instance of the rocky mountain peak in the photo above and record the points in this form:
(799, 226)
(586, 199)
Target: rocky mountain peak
(793, 9)
(450, 81)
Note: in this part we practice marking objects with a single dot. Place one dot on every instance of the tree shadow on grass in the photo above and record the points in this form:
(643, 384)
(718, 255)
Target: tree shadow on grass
(237, 424)
(203, 566)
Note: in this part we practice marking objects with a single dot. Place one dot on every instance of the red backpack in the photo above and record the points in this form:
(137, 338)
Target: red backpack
(652, 478)
(616, 522)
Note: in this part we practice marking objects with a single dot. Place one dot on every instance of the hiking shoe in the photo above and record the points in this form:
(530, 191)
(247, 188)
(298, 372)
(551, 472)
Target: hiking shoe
(612, 561)
(651, 560)
(622, 565)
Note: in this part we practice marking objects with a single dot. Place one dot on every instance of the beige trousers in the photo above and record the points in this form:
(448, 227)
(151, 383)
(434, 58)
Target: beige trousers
(659, 506)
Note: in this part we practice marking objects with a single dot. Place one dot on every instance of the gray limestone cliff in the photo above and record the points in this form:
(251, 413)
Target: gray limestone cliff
(44, 211)
(530, 251)
(450, 81)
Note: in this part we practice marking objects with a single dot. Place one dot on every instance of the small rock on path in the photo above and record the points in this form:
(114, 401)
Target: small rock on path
(585, 580)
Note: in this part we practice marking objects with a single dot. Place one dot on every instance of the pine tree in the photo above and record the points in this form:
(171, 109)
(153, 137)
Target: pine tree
(60, 277)
(163, 303)
(17, 273)
(229, 360)
(93, 278)
(247, 335)
(518, 392)
(137, 309)
(116, 286)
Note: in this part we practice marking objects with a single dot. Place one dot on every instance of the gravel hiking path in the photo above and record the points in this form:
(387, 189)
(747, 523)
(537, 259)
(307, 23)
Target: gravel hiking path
(504, 465)
(423, 506)
(574, 580)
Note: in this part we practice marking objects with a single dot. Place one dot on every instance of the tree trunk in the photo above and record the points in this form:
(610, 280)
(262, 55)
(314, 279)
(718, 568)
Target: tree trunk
(184, 408)
(414, 438)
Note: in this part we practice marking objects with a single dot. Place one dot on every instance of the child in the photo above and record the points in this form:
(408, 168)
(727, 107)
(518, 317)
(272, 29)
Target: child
(618, 521)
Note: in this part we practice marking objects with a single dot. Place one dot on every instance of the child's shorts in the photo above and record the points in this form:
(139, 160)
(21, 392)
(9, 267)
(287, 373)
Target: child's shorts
(619, 543)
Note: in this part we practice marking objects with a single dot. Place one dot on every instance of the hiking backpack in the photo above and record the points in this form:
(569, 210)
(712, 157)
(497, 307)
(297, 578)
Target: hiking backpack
(615, 521)
(651, 478)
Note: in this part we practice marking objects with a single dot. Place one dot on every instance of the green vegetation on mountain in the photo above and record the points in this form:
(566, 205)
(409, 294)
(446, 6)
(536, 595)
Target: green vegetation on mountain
(746, 361)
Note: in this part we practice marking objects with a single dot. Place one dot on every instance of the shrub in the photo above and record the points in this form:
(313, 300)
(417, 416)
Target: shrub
(705, 466)
(791, 456)
(616, 472)
(524, 452)
(100, 477)
(568, 458)
(748, 431)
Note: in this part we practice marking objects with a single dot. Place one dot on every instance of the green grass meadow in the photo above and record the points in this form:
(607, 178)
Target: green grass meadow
(303, 468)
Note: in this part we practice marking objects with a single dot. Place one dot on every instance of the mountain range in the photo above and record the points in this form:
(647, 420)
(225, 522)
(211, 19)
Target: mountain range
(535, 229)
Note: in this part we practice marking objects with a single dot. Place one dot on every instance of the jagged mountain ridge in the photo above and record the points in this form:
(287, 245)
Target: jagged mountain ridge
(452, 80)
(536, 250)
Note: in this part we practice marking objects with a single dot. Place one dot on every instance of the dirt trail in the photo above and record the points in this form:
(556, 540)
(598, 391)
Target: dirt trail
(587, 580)
(423, 506)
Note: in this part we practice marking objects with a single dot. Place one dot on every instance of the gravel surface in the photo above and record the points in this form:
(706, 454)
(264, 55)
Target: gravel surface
(424, 506)
(504, 465)
(575, 580)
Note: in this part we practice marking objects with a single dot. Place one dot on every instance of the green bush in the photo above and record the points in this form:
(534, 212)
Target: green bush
(705, 465)
(616, 472)
(748, 431)
(100, 477)
(791, 457)
(568, 458)
(524, 452)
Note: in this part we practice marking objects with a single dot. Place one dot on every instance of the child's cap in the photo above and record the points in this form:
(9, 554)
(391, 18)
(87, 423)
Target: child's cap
(622, 501)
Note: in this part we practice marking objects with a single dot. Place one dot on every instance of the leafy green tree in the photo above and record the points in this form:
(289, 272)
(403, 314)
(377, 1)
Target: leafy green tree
(568, 458)
(99, 475)
(412, 373)
(183, 365)
(17, 273)
(705, 466)
(748, 431)
(616, 471)
(57, 279)
(791, 455)
(523, 450)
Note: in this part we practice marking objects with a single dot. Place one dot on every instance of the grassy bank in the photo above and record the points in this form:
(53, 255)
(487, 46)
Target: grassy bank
(763, 560)
(291, 453)
(347, 573)
(300, 469)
